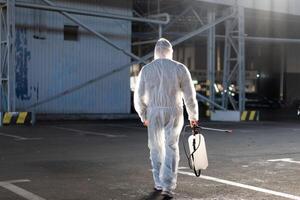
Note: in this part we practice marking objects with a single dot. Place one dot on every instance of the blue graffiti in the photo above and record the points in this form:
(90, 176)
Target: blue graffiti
(22, 58)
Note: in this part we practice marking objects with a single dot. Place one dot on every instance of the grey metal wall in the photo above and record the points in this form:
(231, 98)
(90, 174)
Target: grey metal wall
(48, 66)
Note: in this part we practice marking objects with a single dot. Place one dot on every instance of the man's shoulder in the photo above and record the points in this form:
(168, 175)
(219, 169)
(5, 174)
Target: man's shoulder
(174, 62)
(146, 67)
(181, 66)
(171, 63)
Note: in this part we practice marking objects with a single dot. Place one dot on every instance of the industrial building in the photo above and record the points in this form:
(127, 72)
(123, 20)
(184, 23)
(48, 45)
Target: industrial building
(68, 127)
(78, 57)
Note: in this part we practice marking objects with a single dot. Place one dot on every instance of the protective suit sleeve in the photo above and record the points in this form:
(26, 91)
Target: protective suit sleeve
(189, 95)
(139, 97)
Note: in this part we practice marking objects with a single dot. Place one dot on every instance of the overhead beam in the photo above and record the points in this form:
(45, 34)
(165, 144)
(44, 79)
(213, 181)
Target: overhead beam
(271, 39)
(202, 29)
(116, 70)
(204, 98)
(93, 14)
(247, 38)
(282, 6)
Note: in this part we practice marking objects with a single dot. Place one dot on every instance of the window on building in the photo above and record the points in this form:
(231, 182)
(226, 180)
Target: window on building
(71, 33)
(39, 22)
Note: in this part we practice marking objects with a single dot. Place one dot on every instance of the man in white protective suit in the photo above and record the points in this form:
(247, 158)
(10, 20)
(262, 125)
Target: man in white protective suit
(161, 88)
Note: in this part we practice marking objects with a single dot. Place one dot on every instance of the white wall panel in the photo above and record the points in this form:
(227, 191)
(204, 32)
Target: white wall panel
(53, 65)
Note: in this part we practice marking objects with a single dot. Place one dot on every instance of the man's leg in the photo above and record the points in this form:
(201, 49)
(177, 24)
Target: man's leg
(156, 146)
(170, 164)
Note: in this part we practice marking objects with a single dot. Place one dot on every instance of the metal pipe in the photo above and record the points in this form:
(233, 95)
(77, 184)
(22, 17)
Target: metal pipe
(270, 39)
(222, 37)
(159, 26)
(160, 31)
(94, 14)
(139, 15)
(203, 28)
(197, 16)
(265, 39)
(106, 15)
(215, 129)
(160, 15)
(200, 96)
(146, 57)
(143, 42)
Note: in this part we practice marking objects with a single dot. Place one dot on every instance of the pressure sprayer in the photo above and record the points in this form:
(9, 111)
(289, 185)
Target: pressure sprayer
(197, 156)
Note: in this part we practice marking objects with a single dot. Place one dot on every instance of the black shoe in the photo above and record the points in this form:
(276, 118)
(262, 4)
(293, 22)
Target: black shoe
(154, 195)
(167, 194)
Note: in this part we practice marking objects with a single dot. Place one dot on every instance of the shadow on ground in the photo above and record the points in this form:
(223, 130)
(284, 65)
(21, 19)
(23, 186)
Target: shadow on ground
(155, 195)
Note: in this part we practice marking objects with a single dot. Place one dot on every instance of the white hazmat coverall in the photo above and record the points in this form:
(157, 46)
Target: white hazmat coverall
(162, 86)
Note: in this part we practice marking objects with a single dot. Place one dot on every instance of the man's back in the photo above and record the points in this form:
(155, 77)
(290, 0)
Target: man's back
(163, 79)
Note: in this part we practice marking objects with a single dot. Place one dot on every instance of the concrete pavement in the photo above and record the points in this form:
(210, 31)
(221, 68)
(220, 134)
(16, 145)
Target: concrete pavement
(110, 160)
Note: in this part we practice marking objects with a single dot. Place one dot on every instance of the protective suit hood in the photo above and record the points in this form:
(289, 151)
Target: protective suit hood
(163, 49)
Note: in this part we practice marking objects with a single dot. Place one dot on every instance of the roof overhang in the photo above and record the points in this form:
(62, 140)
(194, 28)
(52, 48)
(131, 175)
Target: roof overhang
(291, 7)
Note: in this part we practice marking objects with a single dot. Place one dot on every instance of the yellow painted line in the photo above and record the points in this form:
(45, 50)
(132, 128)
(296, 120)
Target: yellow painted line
(252, 115)
(21, 118)
(7, 118)
(244, 115)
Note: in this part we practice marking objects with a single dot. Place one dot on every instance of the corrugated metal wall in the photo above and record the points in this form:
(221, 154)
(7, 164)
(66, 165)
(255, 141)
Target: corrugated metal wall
(46, 67)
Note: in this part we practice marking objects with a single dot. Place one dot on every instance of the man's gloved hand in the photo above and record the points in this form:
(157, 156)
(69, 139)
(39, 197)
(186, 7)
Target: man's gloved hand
(194, 123)
(146, 123)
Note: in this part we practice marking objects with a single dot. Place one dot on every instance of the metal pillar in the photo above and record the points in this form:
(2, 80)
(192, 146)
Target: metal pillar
(282, 71)
(7, 56)
(241, 57)
(226, 65)
(234, 60)
(159, 26)
(211, 41)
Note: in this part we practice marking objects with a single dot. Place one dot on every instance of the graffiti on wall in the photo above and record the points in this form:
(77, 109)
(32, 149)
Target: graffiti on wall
(22, 58)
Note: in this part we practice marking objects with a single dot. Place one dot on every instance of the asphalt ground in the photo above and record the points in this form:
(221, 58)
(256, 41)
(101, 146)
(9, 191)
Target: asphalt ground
(110, 160)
